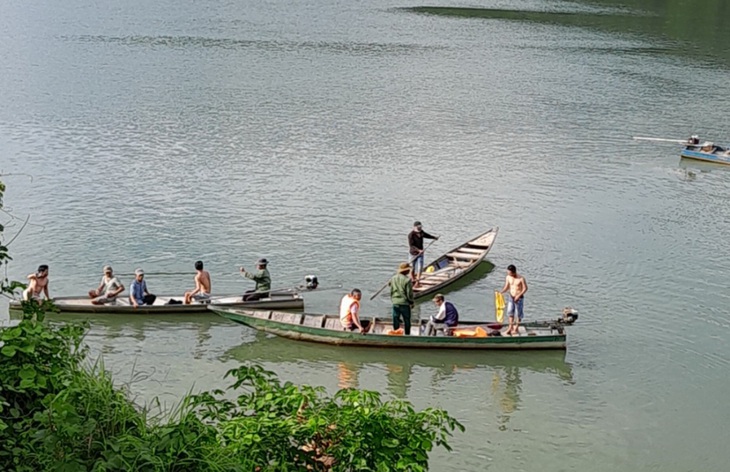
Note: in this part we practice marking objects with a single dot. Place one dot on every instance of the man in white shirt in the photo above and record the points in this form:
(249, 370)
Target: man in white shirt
(446, 319)
(108, 289)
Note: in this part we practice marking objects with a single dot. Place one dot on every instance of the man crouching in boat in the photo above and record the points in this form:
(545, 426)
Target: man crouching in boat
(37, 284)
(138, 294)
(262, 279)
(109, 288)
(350, 311)
(446, 319)
(202, 286)
(517, 286)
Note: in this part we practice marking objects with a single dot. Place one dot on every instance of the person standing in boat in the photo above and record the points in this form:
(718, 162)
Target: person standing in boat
(446, 319)
(517, 286)
(109, 288)
(138, 293)
(262, 279)
(350, 311)
(202, 286)
(37, 283)
(401, 296)
(415, 249)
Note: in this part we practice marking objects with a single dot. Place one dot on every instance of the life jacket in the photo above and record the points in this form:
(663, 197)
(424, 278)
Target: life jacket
(452, 316)
(345, 315)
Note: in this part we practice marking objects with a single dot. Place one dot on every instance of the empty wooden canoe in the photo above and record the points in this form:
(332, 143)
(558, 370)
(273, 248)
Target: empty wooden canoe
(455, 264)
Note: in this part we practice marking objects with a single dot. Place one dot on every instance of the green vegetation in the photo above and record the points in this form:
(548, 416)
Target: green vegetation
(693, 29)
(59, 413)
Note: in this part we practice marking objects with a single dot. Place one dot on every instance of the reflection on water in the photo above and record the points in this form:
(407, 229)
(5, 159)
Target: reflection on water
(443, 366)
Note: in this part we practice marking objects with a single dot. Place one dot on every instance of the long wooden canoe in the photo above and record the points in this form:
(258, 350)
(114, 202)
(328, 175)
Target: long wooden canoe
(277, 301)
(327, 329)
(455, 264)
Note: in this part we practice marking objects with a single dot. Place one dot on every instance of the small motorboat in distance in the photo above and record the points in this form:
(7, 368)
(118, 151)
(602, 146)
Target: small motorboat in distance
(706, 151)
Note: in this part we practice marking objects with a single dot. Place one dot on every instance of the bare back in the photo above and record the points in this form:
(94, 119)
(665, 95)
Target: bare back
(202, 281)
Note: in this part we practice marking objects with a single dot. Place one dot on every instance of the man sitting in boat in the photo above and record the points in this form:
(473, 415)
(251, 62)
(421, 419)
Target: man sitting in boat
(262, 279)
(138, 294)
(108, 289)
(446, 319)
(693, 140)
(201, 293)
(37, 283)
(350, 311)
(707, 147)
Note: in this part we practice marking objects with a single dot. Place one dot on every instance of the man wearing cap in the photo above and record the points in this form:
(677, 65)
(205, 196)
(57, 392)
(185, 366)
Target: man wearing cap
(138, 294)
(37, 283)
(415, 245)
(262, 279)
(446, 319)
(108, 289)
(401, 296)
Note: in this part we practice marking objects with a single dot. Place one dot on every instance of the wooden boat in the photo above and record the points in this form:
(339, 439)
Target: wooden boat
(707, 152)
(277, 301)
(328, 330)
(455, 264)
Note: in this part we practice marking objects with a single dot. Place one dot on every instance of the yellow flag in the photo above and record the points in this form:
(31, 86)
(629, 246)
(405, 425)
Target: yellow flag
(498, 306)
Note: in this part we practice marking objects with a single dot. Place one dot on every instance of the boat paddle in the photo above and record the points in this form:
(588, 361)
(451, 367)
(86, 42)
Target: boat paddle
(680, 141)
(409, 261)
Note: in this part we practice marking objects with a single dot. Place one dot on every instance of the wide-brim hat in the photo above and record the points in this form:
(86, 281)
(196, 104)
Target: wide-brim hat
(107, 268)
(139, 272)
(404, 267)
(262, 261)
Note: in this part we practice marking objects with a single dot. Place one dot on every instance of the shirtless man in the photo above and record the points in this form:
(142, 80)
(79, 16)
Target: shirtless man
(202, 286)
(517, 286)
(38, 283)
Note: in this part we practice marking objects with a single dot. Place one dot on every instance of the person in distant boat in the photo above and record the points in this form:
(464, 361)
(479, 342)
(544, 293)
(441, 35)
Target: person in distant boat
(350, 311)
(38, 282)
(415, 249)
(517, 286)
(707, 147)
(262, 279)
(693, 140)
(446, 319)
(109, 288)
(202, 286)
(138, 294)
(401, 296)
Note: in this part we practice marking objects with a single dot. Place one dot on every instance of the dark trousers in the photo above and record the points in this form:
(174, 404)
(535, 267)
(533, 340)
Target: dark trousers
(149, 299)
(404, 312)
(253, 295)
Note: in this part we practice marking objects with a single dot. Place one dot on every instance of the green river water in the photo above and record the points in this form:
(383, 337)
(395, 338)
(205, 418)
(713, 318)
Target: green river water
(154, 134)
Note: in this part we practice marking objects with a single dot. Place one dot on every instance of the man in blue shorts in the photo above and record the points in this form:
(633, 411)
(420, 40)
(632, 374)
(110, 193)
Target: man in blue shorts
(517, 286)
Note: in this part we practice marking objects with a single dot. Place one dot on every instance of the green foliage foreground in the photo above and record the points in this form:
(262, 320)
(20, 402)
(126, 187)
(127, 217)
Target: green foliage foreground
(57, 413)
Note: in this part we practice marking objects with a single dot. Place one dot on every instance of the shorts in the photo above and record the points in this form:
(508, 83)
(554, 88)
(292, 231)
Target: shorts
(518, 307)
(201, 297)
(417, 263)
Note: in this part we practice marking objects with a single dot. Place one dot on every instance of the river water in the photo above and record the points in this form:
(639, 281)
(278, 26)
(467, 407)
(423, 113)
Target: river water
(314, 133)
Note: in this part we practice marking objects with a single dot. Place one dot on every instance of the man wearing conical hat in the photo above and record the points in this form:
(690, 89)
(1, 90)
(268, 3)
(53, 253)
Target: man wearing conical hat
(401, 296)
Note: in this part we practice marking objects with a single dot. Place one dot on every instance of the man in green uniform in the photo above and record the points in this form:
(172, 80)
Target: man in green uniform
(262, 279)
(401, 296)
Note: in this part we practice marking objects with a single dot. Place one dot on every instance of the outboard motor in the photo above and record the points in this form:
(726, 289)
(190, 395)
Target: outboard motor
(569, 315)
(311, 282)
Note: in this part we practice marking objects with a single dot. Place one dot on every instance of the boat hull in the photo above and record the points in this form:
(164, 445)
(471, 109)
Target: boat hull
(719, 157)
(122, 307)
(306, 327)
